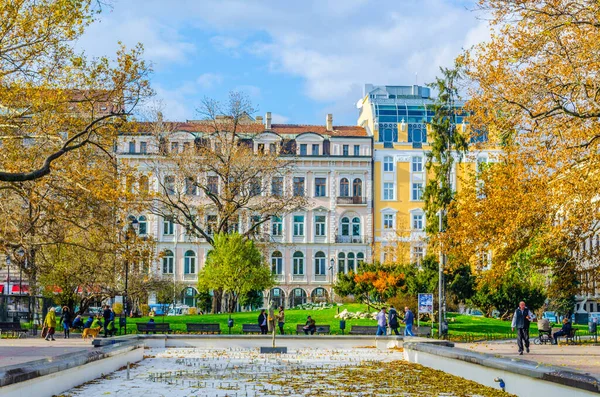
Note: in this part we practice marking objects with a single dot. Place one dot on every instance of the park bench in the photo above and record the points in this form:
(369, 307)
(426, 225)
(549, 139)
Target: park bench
(363, 330)
(204, 328)
(572, 337)
(161, 328)
(321, 329)
(13, 329)
(423, 332)
(251, 329)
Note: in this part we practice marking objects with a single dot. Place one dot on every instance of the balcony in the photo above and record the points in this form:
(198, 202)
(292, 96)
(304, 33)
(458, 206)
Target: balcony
(190, 277)
(279, 278)
(351, 240)
(354, 200)
(298, 278)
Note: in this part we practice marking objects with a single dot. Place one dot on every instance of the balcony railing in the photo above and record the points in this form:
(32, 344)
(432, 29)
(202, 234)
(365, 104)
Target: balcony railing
(351, 239)
(353, 200)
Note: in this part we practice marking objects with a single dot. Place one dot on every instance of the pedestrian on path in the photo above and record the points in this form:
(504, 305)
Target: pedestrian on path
(409, 319)
(393, 320)
(65, 320)
(381, 322)
(520, 321)
(50, 323)
(281, 319)
(106, 314)
(262, 322)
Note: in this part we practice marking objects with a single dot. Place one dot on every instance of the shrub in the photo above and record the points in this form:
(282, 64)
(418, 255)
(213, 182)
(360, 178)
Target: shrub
(145, 309)
(118, 308)
(192, 311)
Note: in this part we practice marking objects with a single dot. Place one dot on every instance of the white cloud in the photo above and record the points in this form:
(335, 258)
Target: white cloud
(175, 103)
(279, 118)
(209, 80)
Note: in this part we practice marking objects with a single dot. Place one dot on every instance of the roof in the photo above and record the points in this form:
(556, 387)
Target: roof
(257, 128)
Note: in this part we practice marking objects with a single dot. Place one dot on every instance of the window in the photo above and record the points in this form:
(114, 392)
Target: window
(320, 187)
(167, 262)
(170, 184)
(344, 188)
(211, 224)
(418, 221)
(143, 148)
(351, 262)
(303, 149)
(345, 226)
(234, 225)
(142, 225)
(189, 262)
(315, 149)
(261, 148)
(276, 226)
(345, 150)
(417, 191)
(341, 262)
(298, 263)
(272, 148)
(357, 188)
(190, 187)
(213, 184)
(144, 184)
(320, 264)
(256, 220)
(174, 147)
(388, 191)
(357, 150)
(388, 221)
(299, 186)
(298, 225)
(356, 226)
(168, 227)
(417, 254)
(186, 147)
(320, 225)
(388, 163)
(255, 187)
(417, 164)
(132, 147)
(277, 263)
(277, 186)
(360, 258)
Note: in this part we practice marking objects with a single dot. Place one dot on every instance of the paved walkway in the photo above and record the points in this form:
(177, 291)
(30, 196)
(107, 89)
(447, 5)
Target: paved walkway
(17, 351)
(584, 358)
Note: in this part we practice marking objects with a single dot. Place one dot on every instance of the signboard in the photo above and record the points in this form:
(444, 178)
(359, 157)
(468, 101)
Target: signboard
(426, 303)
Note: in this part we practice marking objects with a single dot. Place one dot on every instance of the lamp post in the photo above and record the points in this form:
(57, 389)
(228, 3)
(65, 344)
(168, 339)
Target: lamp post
(8, 276)
(130, 228)
(331, 264)
(441, 284)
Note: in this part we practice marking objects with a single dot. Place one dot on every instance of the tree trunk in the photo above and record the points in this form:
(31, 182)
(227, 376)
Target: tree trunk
(217, 301)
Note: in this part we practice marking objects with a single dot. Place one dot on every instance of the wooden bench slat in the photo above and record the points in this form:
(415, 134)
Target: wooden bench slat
(251, 328)
(202, 327)
(156, 327)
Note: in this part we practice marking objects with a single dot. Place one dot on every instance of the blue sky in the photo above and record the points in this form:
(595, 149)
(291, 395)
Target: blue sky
(297, 59)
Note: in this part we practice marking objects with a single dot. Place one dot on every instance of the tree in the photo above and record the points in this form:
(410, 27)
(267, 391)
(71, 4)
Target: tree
(236, 267)
(241, 187)
(56, 101)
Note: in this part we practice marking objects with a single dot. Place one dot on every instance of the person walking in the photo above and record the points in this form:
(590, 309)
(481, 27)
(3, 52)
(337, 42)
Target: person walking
(262, 322)
(281, 320)
(65, 319)
(520, 321)
(409, 319)
(393, 320)
(106, 315)
(50, 323)
(381, 322)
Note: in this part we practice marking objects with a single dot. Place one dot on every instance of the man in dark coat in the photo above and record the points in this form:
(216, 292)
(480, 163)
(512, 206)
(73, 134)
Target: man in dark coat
(106, 314)
(393, 320)
(262, 321)
(564, 331)
(520, 321)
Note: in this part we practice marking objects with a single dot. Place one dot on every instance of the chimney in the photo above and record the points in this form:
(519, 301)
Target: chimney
(268, 121)
(259, 119)
(329, 123)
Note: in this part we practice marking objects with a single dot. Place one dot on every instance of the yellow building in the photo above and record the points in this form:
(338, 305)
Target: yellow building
(396, 117)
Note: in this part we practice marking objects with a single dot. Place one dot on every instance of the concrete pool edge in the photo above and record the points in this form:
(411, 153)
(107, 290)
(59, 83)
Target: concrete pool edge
(46, 377)
(521, 377)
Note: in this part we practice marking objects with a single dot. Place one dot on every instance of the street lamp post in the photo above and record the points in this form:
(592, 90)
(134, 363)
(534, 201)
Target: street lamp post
(331, 264)
(8, 277)
(441, 284)
(131, 228)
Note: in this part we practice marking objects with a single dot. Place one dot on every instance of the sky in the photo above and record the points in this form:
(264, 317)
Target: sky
(297, 59)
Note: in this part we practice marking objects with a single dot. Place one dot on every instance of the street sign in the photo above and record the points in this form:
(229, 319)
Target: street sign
(426, 303)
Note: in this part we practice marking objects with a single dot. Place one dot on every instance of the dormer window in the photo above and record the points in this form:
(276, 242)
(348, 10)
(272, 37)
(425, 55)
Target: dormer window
(315, 149)
(272, 148)
(303, 149)
(261, 148)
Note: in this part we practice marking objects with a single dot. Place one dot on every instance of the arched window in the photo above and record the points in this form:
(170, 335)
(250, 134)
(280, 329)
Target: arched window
(341, 262)
(360, 258)
(142, 225)
(297, 297)
(298, 263)
(144, 184)
(357, 188)
(344, 188)
(388, 163)
(167, 262)
(356, 226)
(189, 266)
(277, 262)
(351, 262)
(320, 264)
(345, 226)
